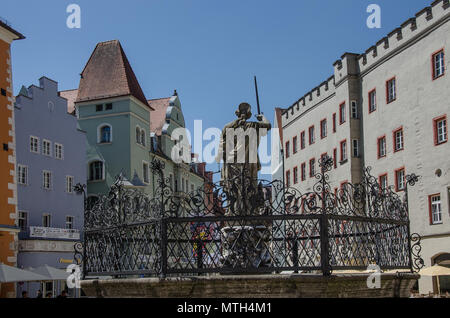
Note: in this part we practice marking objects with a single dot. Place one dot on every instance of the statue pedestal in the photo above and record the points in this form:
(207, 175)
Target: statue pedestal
(245, 247)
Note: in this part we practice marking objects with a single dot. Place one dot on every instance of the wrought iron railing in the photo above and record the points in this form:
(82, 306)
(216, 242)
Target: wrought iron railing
(248, 226)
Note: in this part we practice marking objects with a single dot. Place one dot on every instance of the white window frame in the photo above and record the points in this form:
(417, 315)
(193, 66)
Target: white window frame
(20, 170)
(401, 182)
(441, 130)
(355, 148)
(372, 101)
(438, 64)
(399, 140)
(99, 133)
(103, 170)
(436, 209)
(344, 155)
(49, 143)
(59, 154)
(354, 107)
(69, 184)
(392, 90)
(71, 222)
(46, 186)
(383, 182)
(382, 147)
(22, 216)
(34, 144)
(44, 216)
(323, 128)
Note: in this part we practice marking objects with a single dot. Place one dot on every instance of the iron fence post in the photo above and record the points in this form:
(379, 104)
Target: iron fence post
(324, 240)
(199, 251)
(295, 254)
(163, 247)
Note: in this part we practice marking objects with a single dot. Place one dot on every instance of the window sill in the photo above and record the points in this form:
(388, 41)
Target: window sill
(438, 77)
(398, 150)
(104, 143)
(96, 181)
(440, 143)
(437, 223)
(381, 157)
(343, 162)
(389, 102)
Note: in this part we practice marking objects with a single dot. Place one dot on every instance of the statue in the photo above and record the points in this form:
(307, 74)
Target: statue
(244, 244)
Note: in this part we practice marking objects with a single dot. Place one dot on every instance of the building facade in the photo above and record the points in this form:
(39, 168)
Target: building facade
(386, 108)
(125, 131)
(8, 186)
(51, 155)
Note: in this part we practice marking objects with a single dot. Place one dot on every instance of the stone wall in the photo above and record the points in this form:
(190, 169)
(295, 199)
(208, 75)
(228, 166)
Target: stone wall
(248, 286)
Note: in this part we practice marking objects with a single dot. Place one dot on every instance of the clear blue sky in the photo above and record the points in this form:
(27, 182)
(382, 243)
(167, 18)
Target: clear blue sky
(208, 50)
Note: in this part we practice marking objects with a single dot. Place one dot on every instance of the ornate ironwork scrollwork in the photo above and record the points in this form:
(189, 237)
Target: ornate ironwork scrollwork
(417, 261)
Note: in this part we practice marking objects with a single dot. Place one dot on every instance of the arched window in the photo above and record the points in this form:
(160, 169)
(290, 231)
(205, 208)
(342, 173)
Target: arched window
(96, 171)
(138, 134)
(143, 137)
(105, 134)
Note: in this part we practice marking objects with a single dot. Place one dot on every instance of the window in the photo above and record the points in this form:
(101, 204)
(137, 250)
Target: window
(23, 220)
(98, 108)
(59, 150)
(171, 181)
(69, 222)
(438, 64)
(105, 134)
(69, 184)
(108, 106)
(288, 178)
(311, 135)
(400, 179)
(391, 90)
(323, 128)
(303, 172)
(302, 140)
(354, 109)
(138, 135)
(143, 138)
(342, 113)
(372, 101)
(46, 220)
(145, 172)
(435, 209)
(34, 144)
(47, 180)
(294, 144)
(22, 174)
(295, 175)
(343, 151)
(334, 122)
(355, 148)
(398, 140)
(312, 166)
(3, 91)
(440, 130)
(287, 149)
(335, 158)
(96, 171)
(383, 182)
(381, 147)
(46, 147)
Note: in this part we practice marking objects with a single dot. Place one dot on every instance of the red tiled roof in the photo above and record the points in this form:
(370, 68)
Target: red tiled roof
(158, 115)
(71, 96)
(108, 74)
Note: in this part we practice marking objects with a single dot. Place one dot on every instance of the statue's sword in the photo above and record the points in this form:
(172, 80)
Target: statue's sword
(257, 97)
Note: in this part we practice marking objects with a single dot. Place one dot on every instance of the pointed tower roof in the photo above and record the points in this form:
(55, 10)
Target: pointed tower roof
(109, 74)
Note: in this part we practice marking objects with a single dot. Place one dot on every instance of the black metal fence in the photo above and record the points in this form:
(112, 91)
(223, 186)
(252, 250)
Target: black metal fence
(248, 226)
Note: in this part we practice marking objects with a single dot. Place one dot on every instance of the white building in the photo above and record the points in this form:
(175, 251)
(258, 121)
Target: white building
(386, 108)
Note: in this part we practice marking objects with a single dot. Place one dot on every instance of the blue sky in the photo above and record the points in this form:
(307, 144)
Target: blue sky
(208, 50)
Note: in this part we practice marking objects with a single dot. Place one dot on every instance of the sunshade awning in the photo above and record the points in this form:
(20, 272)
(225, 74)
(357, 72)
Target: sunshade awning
(51, 272)
(9, 274)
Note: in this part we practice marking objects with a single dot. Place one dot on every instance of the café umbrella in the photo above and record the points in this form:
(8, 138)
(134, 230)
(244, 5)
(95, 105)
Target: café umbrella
(435, 270)
(51, 272)
(9, 274)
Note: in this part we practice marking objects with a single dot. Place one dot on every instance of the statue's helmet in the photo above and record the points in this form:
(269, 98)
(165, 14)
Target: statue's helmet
(244, 108)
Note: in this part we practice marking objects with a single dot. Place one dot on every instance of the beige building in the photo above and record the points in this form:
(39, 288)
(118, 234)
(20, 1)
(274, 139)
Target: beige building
(386, 108)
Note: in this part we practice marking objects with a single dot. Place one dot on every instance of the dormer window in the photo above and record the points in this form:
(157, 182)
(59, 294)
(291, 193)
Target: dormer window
(108, 106)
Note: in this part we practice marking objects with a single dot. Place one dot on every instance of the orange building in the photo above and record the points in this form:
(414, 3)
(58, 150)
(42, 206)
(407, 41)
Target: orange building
(8, 190)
